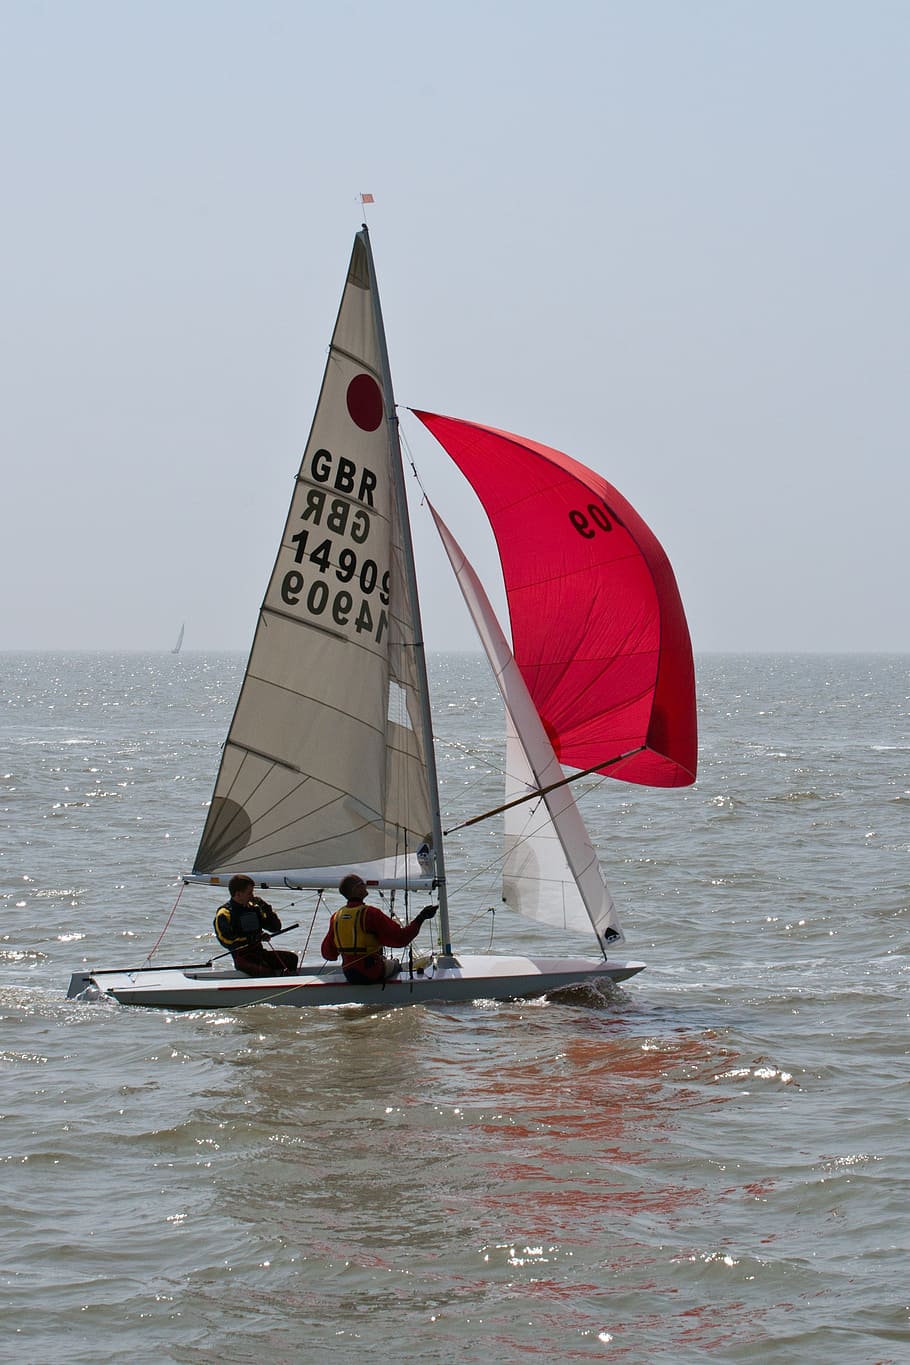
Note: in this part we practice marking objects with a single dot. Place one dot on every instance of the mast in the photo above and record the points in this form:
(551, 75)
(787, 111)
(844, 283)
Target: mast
(401, 501)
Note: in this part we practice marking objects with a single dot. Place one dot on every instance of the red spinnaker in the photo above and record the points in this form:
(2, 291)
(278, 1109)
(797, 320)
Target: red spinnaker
(598, 627)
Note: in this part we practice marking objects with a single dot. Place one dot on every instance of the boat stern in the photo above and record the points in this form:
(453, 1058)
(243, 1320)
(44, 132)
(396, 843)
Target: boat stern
(80, 982)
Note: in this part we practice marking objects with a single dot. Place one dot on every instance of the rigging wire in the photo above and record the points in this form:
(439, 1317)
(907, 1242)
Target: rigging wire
(319, 900)
(405, 443)
(167, 923)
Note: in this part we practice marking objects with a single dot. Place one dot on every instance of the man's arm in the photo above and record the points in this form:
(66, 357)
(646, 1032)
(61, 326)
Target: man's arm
(269, 919)
(224, 930)
(329, 947)
(390, 933)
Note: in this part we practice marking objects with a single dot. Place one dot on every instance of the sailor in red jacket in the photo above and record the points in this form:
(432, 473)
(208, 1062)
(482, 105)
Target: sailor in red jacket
(359, 932)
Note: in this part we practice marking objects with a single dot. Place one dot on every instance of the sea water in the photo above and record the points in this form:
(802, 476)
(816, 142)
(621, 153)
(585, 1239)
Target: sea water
(709, 1162)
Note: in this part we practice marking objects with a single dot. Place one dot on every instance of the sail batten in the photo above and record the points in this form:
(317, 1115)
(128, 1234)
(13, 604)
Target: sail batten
(268, 758)
(339, 353)
(288, 616)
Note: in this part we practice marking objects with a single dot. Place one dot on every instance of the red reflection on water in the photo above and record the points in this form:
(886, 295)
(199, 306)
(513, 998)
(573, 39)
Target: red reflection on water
(580, 1150)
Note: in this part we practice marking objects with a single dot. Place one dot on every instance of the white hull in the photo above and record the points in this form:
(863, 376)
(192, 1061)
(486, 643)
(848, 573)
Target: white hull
(470, 978)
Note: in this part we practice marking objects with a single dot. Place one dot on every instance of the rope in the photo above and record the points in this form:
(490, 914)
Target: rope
(167, 924)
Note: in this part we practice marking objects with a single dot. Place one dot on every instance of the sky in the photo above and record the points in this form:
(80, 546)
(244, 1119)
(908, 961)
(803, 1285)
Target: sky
(669, 237)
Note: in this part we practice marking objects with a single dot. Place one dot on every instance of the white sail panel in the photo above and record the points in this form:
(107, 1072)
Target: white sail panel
(320, 768)
(551, 872)
(536, 879)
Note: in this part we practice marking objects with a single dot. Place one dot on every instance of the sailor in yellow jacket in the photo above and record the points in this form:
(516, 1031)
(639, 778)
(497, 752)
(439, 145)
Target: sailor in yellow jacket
(359, 932)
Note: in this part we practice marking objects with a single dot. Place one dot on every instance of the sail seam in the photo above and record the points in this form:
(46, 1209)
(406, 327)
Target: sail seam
(375, 512)
(295, 620)
(311, 625)
(335, 351)
(313, 843)
(266, 758)
(304, 696)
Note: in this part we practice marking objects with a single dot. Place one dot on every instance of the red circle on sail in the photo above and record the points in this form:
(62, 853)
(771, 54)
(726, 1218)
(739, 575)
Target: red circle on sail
(365, 402)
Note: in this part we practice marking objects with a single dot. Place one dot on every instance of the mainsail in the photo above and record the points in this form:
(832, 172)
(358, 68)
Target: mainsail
(598, 628)
(325, 764)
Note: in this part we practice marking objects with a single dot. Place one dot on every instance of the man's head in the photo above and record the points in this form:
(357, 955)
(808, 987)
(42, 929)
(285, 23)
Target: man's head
(239, 885)
(354, 888)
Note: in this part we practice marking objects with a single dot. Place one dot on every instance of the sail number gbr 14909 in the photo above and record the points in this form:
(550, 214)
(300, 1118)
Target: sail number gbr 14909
(360, 605)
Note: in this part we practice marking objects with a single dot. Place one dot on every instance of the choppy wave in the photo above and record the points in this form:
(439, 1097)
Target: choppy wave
(709, 1161)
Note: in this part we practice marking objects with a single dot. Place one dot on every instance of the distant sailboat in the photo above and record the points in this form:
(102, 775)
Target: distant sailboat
(329, 765)
(177, 646)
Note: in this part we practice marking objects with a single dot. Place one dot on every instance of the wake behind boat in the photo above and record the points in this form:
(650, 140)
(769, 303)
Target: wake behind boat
(329, 764)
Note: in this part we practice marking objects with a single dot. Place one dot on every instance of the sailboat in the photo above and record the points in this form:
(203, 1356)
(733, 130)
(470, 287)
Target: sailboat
(329, 767)
(179, 642)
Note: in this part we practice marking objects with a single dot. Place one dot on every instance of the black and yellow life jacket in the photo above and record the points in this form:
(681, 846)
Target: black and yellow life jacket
(237, 925)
